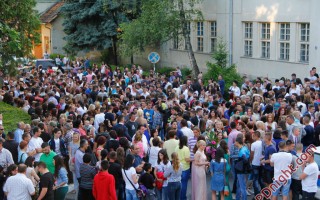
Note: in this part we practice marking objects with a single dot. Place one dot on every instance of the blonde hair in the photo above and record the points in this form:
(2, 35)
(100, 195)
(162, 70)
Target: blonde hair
(261, 125)
(175, 161)
(201, 142)
(138, 136)
(140, 113)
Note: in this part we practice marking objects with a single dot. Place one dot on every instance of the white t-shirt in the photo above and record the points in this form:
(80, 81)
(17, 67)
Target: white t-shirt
(281, 161)
(35, 143)
(153, 155)
(309, 184)
(256, 147)
(187, 132)
(57, 146)
(129, 174)
(162, 168)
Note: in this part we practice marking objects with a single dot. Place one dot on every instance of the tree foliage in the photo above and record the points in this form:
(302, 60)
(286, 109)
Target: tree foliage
(219, 67)
(159, 22)
(19, 26)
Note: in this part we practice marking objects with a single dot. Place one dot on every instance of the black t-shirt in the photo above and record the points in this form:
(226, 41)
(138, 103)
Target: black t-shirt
(46, 181)
(115, 170)
(12, 146)
(147, 180)
(109, 116)
(132, 127)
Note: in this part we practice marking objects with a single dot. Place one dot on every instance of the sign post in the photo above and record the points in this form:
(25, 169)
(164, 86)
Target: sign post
(154, 57)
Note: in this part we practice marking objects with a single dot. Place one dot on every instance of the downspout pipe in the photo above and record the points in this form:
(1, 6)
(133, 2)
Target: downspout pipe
(50, 46)
(230, 32)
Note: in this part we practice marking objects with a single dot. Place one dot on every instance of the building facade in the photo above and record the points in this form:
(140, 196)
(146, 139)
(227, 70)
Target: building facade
(271, 38)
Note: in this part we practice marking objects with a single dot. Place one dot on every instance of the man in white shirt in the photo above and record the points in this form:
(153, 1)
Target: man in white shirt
(282, 173)
(309, 178)
(35, 143)
(255, 156)
(185, 130)
(98, 118)
(19, 186)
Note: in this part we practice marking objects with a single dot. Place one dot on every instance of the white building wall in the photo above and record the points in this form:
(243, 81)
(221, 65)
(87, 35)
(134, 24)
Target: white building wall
(274, 12)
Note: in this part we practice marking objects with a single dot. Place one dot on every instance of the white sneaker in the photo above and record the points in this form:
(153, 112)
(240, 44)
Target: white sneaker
(248, 193)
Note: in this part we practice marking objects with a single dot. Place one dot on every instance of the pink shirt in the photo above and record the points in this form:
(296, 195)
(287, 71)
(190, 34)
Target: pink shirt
(232, 137)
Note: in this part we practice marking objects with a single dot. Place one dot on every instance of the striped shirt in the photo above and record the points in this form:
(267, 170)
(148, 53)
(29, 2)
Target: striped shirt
(87, 173)
(192, 141)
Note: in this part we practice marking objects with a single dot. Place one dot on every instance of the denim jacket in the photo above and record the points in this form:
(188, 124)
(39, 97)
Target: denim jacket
(62, 177)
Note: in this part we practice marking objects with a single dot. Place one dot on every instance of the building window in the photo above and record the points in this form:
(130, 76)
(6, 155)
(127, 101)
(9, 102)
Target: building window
(284, 41)
(200, 36)
(304, 42)
(284, 51)
(176, 42)
(213, 35)
(265, 40)
(248, 39)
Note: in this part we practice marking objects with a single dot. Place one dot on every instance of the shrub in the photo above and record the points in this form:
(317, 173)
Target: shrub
(165, 71)
(12, 115)
(186, 72)
(229, 74)
(53, 56)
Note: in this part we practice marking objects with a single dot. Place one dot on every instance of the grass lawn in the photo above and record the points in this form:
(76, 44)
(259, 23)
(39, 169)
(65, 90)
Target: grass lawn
(12, 115)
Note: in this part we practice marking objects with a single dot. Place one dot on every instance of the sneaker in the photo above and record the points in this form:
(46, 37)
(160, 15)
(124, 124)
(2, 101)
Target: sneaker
(248, 193)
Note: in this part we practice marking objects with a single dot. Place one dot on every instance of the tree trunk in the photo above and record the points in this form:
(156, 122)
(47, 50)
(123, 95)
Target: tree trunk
(115, 50)
(186, 35)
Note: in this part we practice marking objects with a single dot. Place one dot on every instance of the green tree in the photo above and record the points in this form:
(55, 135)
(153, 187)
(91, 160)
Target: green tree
(19, 25)
(95, 24)
(219, 67)
(159, 22)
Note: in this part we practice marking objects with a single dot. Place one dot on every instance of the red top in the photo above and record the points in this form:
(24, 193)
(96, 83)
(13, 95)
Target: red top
(104, 186)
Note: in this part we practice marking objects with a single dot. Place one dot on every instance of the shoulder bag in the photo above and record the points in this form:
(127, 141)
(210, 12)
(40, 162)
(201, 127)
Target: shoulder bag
(140, 193)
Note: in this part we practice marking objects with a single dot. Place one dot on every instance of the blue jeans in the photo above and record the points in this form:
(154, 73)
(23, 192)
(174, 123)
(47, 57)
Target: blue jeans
(131, 195)
(174, 189)
(258, 184)
(159, 193)
(285, 188)
(184, 184)
(165, 193)
(241, 187)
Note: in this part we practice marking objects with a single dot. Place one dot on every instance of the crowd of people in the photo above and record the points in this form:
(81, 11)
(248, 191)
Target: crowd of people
(127, 134)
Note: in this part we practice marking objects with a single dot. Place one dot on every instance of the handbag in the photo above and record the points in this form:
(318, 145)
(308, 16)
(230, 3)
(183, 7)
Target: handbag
(226, 191)
(140, 193)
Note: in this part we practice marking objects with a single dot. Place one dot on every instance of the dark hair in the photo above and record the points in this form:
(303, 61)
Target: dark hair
(282, 145)
(146, 166)
(219, 155)
(104, 165)
(44, 145)
(87, 158)
(103, 154)
(112, 155)
(101, 140)
(233, 125)
(55, 130)
(128, 162)
(165, 156)
(42, 165)
(124, 143)
(224, 146)
(29, 161)
(183, 141)
(113, 134)
(11, 135)
(156, 142)
(11, 168)
(83, 142)
(277, 134)
(285, 133)
(35, 129)
(58, 163)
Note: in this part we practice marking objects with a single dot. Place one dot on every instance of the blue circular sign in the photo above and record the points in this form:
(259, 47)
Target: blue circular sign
(153, 57)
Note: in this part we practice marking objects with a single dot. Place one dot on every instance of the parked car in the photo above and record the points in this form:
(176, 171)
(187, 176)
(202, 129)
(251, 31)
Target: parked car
(45, 63)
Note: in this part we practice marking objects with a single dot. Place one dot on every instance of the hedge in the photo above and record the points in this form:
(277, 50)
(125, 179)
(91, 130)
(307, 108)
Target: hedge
(12, 115)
